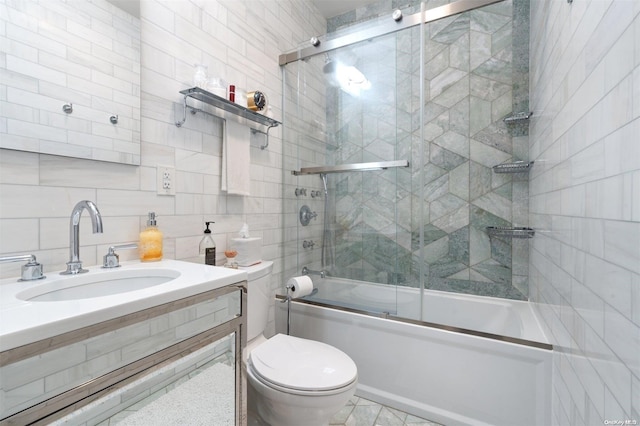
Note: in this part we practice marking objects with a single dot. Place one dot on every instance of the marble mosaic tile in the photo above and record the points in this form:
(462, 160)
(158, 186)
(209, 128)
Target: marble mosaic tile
(445, 267)
(445, 159)
(445, 205)
(495, 204)
(460, 181)
(479, 115)
(501, 251)
(454, 142)
(445, 80)
(449, 30)
(479, 245)
(451, 94)
(496, 136)
(437, 250)
(454, 220)
(480, 49)
(479, 180)
(495, 271)
(459, 120)
(458, 104)
(495, 69)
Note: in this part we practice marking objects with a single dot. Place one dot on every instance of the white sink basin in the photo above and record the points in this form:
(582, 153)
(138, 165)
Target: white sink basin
(87, 286)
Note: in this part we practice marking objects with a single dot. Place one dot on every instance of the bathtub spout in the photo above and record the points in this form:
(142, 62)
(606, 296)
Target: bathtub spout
(307, 271)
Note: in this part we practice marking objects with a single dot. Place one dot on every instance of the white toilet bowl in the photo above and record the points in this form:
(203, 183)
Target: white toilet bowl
(298, 382)
(291, 381)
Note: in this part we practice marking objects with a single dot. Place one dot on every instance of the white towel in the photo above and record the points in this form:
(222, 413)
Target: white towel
(236, 160)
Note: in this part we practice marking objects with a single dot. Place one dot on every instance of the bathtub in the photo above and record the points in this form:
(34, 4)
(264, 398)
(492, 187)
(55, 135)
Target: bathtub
(470, 360)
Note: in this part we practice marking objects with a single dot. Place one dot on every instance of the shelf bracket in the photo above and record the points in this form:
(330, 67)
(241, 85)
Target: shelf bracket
(255, 131)
(184, 113)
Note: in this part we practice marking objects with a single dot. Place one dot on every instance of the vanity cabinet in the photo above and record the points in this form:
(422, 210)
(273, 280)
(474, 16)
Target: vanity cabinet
(181, 355)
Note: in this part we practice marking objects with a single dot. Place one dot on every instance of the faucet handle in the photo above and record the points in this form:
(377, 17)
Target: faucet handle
(112, 259)
(32, 270)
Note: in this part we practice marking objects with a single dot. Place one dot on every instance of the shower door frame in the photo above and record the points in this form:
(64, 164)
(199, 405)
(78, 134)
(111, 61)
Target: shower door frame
(384, 28)
(430, 15)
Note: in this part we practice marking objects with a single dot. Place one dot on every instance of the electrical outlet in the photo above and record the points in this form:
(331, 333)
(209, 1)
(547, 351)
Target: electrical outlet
(166, 180)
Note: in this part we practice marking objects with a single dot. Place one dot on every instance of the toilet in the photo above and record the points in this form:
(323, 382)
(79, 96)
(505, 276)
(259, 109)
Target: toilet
(291, 381)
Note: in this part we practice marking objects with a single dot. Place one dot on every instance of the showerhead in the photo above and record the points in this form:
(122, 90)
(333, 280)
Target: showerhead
(329, 65)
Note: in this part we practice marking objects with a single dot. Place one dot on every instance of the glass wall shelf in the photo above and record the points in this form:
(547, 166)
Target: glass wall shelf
(223, 104)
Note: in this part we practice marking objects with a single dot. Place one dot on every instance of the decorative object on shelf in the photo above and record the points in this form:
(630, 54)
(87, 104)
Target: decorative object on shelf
(520, 116)
(231, 255)
(232, 92)
(518, 232)
(256, 100)
(225, 105)
(217, 86)
(515, 167)
(200, 75)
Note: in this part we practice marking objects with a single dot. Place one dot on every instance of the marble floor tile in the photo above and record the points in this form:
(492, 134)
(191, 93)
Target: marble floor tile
(363, 412)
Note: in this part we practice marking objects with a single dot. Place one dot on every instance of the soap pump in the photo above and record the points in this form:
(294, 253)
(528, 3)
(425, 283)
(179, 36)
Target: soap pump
(208, 247)
(150, 246)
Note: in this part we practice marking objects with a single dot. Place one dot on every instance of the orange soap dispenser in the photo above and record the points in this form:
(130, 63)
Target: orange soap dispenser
(151, 241)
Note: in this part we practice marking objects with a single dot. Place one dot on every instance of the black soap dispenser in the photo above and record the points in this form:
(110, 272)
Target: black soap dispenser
(208, 247)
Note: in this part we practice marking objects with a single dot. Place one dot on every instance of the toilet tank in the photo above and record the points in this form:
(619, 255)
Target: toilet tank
(259, 297)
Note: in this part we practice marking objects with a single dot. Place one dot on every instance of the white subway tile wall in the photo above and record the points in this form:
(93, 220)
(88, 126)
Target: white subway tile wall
(240, 41)
(584, 197)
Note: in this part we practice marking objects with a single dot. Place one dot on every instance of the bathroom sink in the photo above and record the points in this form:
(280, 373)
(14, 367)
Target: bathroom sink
(87, 286)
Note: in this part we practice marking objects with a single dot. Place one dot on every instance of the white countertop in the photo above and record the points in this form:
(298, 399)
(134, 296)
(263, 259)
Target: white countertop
(23, 322)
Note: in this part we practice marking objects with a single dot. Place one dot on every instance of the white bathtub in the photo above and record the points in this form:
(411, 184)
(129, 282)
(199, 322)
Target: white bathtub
(471, 360)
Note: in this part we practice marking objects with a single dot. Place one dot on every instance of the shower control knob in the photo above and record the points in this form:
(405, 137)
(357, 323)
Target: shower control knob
(315, 41)
(306, 215)
(397, 15)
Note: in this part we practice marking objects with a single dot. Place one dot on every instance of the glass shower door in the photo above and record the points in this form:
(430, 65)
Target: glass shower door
(366, 93)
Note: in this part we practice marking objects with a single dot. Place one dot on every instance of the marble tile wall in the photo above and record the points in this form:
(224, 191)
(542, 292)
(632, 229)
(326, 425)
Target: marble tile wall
(38, 192)
(585, 203)
(476, 73)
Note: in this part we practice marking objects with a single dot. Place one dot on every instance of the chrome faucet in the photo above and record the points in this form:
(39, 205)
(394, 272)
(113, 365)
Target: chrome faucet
(74, 265)
(307, 271)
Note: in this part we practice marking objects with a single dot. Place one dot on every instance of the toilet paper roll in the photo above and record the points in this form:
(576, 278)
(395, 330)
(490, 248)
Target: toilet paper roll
(300, 286)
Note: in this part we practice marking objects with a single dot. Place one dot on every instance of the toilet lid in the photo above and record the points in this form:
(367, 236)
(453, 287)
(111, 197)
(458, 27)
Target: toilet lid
(302, 364)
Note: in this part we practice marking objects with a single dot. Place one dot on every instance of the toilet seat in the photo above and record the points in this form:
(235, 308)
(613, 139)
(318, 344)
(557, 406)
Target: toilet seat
(300, 366)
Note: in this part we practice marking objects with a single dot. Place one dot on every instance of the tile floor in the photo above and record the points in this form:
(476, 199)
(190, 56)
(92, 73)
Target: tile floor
(362, 412)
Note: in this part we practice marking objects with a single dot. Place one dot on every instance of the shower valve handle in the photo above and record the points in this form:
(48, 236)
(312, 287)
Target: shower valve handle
(306, 215)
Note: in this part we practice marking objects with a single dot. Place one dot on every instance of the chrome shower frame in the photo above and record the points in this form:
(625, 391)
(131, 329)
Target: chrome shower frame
(437, 13)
